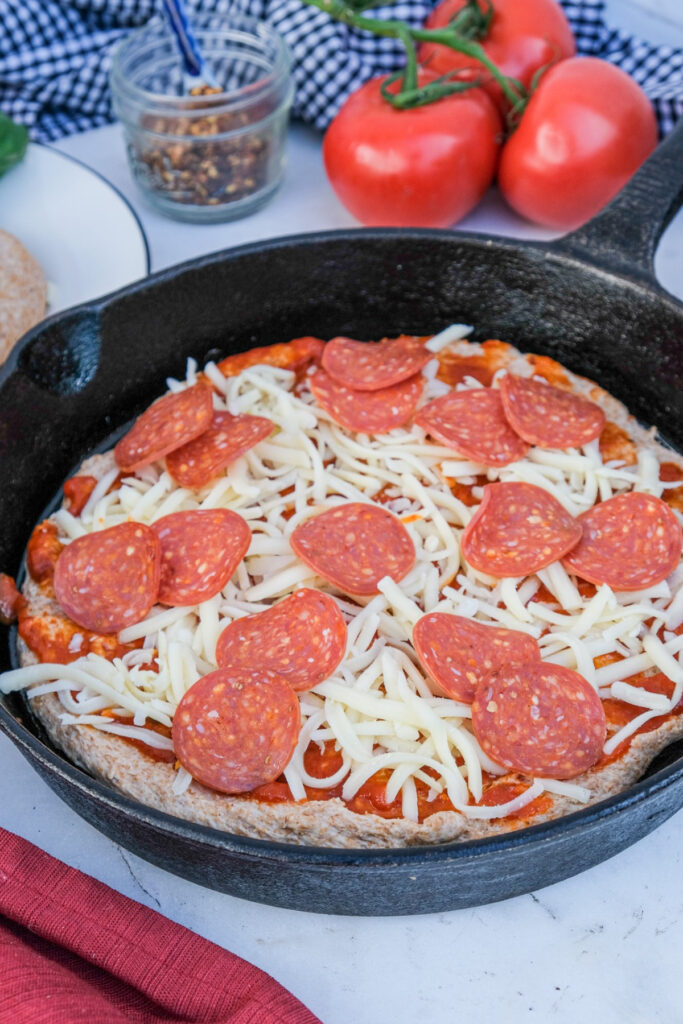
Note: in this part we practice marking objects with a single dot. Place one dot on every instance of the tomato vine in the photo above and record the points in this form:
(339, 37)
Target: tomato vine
(461, 34)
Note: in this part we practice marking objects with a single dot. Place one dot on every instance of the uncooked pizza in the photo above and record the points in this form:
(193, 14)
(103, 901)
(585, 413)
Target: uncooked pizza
(363, 594)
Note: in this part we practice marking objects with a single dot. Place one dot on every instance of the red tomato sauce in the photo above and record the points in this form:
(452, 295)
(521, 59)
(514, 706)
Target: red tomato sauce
(49, 637)
(670, 472)
(463, 492)
(154, 753)
(296, 355)
(543, 595)
(550, 370)
(77, 491)
(618, 713)
(607, 659)
(616, 444)
(10, 600)
(371, 797)
(504, 788)
(42, 552)
(453, 368)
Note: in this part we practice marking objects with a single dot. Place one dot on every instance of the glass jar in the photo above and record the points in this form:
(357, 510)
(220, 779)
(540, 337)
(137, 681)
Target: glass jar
(214, 156)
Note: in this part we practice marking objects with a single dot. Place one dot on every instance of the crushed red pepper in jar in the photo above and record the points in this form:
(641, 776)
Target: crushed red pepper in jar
(208, 153)
(199, 161)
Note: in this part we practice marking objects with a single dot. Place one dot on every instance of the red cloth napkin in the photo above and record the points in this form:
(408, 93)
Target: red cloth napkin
(73, 950)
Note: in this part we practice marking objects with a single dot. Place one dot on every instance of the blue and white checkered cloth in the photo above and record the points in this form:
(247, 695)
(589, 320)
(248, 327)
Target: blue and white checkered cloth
(55, 54)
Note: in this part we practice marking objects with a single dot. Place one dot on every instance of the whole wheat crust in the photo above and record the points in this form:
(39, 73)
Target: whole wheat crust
(23, 292)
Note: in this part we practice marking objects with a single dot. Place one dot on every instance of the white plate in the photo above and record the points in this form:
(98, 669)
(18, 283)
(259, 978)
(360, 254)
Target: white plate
(81, 230)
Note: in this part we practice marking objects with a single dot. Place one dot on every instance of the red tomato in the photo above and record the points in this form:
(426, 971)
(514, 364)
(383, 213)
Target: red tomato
(524, 35)
(423, 167)
(587, 129)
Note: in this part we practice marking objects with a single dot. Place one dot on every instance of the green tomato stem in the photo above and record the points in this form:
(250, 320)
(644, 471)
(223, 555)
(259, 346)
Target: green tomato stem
(410, 75)
(447, 37)
(406, 99)
(393, 29)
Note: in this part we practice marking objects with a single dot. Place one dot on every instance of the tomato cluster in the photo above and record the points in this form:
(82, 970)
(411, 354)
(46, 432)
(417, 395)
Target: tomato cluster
(584, 131)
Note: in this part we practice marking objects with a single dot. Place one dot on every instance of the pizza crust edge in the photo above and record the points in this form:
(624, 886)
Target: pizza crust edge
(327, 823)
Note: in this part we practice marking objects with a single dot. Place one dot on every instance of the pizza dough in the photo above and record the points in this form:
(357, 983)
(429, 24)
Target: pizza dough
(23, 292)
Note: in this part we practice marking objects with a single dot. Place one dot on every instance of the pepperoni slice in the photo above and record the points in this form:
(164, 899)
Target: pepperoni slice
(109, 579)
(354, 546)
(200, 551)
(539, 719)
(518, 529)
(173, 420)
(236, 729)
(302, 638)
(198, 462)
(629, 542)
(548, 416)
(458, 653)
(474, 425)
(373, 412)
(371, 365)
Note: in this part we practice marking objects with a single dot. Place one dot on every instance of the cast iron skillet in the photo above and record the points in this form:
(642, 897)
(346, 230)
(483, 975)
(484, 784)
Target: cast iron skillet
(589, 300)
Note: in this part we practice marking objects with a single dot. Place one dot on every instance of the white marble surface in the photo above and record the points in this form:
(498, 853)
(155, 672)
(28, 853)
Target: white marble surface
(602, 946)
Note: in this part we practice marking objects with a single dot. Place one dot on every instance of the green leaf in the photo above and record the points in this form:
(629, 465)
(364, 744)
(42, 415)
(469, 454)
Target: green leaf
(13, 143)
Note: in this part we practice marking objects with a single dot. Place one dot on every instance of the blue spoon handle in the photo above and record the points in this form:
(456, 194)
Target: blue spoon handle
(189, 47)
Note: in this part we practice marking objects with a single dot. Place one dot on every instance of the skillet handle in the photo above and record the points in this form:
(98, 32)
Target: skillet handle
(623, 237)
